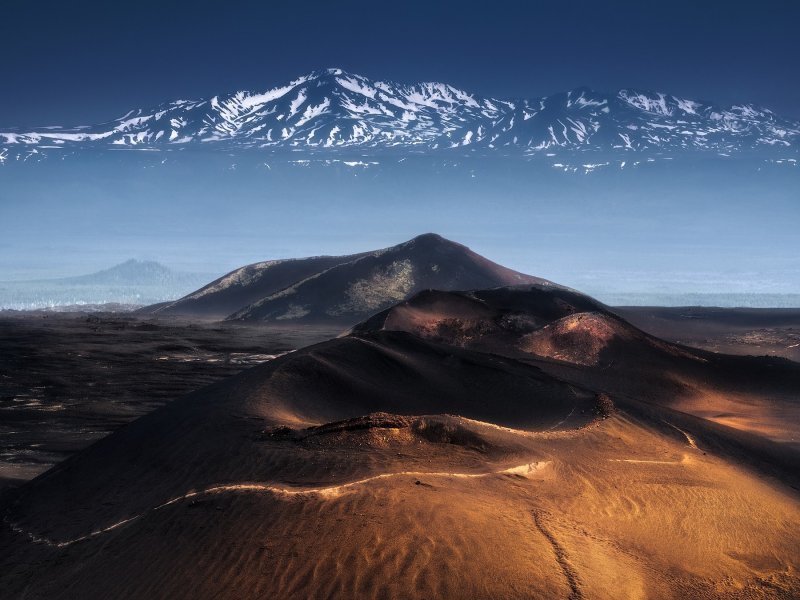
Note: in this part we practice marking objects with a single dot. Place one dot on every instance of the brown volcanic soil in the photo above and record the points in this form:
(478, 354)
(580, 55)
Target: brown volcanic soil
(454, 448)
(68, 379)
(574, 338)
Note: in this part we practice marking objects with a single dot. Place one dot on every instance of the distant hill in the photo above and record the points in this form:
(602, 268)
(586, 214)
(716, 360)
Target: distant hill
(131, 272)
(131, 283)
(345, 288)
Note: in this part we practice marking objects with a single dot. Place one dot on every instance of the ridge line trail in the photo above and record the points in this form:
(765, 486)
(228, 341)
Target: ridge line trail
(327, 492)
(688, 437)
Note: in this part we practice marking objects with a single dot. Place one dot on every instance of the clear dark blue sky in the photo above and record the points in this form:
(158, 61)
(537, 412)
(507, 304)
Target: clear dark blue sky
(78, 61)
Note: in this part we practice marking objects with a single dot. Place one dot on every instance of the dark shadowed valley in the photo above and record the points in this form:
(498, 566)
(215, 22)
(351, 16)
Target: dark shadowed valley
(68, 379)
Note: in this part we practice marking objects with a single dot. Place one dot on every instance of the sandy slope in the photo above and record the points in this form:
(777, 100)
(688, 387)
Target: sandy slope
(613, 511)
(457, 451)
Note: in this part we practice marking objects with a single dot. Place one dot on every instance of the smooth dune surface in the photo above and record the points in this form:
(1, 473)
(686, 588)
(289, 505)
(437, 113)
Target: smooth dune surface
(507, 443)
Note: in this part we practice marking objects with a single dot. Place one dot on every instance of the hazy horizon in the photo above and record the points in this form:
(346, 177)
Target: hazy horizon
(616, 196)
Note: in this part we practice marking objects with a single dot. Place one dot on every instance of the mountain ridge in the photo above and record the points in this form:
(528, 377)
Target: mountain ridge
(345, 288)
(331, 110)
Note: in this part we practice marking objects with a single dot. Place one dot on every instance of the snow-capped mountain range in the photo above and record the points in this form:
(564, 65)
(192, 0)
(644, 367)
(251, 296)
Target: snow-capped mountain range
(331, 110)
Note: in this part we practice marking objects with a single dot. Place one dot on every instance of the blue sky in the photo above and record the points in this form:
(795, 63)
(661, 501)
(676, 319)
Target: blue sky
(85, 61)
(80, 62)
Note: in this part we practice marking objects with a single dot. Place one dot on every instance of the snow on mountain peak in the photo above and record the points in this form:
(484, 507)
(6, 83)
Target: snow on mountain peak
(333, 109)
